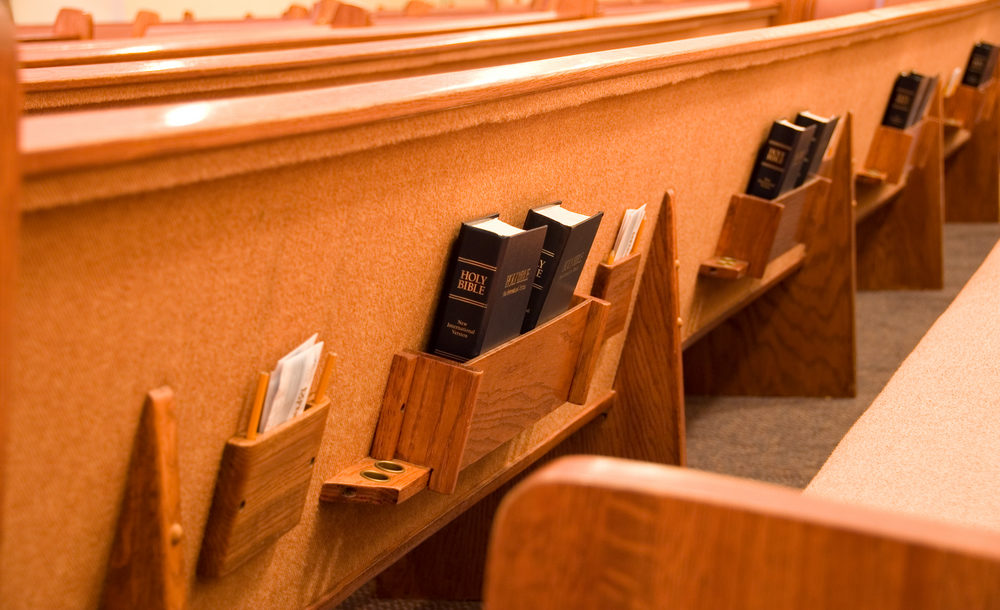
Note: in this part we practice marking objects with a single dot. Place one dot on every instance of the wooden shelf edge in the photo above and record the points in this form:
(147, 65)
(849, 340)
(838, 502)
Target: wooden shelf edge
(786, 264)
(954, 140)
(867, 206)
(464, 500)
(723, 268)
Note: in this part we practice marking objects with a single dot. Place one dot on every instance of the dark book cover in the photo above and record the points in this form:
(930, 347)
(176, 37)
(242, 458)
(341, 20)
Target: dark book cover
(901, 101)
(486, 289)
(780, 159)
(928, 87)
(819, 143)
(568, 238)
(982, 61)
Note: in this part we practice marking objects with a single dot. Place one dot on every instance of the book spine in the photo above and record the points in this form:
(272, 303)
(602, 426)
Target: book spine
(567, 274)
(976, 70)
(556, 236)
(462, 312)
(772, 163)
(799, 153)
(516, 269)
(897, 113)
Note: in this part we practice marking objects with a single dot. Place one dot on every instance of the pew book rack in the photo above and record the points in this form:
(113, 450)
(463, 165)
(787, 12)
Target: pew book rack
(972, 153)
(756, 231)
(439, 416)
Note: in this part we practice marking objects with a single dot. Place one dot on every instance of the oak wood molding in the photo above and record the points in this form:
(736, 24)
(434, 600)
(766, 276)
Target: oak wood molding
(626, 534)
(53, 143)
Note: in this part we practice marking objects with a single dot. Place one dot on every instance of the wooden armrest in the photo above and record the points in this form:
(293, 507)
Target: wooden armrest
(591, 532)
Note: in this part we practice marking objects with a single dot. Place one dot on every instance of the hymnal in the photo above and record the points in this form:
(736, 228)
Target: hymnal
(486, 289)
(568, 238)
(780, 159)
(982, 62)
(818, 144)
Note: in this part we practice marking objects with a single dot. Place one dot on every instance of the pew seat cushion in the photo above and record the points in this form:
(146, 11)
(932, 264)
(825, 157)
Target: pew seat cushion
(929, 444)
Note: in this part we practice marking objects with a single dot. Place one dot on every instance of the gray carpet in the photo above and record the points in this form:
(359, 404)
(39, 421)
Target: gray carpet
(786, 440)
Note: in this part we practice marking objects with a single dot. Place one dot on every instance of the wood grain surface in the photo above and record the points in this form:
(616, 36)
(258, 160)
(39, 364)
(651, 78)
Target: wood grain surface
(261, 490)
(798, 338)
(146, 567)
(10, 184)
(614, 283)
(891, 151)
(971, 179)
(372, 481)
(595, 533)
(900, 245)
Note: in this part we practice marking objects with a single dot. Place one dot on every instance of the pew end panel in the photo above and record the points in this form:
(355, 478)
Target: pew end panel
(793, 333)
(589, 532)
(900, 226)
(972, 152)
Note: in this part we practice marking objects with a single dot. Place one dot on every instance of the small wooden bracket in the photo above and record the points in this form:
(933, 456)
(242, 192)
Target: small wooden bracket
(350, 16)
(146, 568)
(442, 416)
(614, 283)
(324, 11)
(295, 11)
(261, 490)
(73, 24)
(144, 19)
(955, 137)
(891, 152)
(758, 230)
(417, 8)
(372, 481)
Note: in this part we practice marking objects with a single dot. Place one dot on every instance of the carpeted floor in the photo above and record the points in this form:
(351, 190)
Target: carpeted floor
(786, 440)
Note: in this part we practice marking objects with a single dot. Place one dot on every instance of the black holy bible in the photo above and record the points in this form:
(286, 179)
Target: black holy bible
(907, 92)
(982, 61)
(486, 289)
(568, 238)
(818, 144)
(779, 160)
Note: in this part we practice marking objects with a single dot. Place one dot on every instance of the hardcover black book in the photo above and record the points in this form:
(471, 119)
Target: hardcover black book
(902, 101)
(779, 160)
(486, 289)
(982, 61)
(928, 86)
(568, 238)
(818, 145)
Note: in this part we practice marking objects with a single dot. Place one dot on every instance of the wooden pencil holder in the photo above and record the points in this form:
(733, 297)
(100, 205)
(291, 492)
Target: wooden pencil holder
(757, 230)
(891, 155)
(614, 283)
(261, 490)
(439, 416)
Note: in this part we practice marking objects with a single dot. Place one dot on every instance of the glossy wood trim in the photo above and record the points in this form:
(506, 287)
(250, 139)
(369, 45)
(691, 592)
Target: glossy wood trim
(592, 533)
(496, 39)
(10, 182)
(58, 142)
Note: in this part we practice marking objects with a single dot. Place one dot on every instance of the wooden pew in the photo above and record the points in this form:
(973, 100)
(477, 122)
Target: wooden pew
(71, 87)
(604, 533)
(904, 514)
(70, 24)
(243, 40)
(251, 213)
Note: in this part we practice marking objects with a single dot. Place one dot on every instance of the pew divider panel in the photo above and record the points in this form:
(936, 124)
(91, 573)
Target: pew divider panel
(900, 227)
(146, 567)
(972, 154)
(647, 423)
(798, 337)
